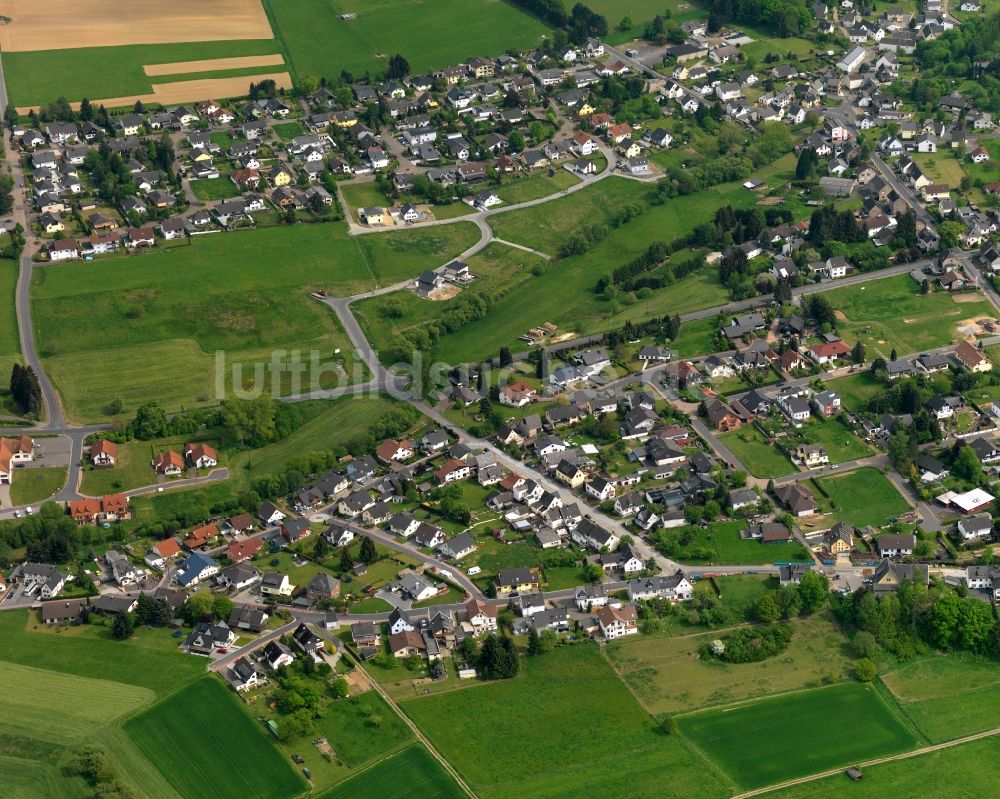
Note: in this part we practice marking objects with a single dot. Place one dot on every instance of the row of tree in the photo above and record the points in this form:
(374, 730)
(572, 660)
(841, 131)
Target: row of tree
(916, 617)
(26, 390)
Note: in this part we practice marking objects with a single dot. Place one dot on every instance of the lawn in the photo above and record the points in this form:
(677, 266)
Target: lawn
(363, 195)
(720, 543)
(61, 709)
(224, 752)
(667, 674)
(252, 304)
(41, 76)
(10, 344)
(564, 294)
(696, 338)
(891, 314)
(351, 728)
(150, 659)
(498, 269)
(372, 604)
(941, 167)
(924, 777)
(318, 43)
(862, 497)
(855, 390)
(221, 188)
(533, 187)
(947, 696)
(288, 130)
(760, 458)
(34, 485)
(547, 706)
(133, 468)
(641, 12)
(29, 779)
(799, 48)
(841, 444)
(764, 742)
(412, 774)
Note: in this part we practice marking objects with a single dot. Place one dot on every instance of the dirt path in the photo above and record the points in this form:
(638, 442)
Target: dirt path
(904, 756)
(418, 734)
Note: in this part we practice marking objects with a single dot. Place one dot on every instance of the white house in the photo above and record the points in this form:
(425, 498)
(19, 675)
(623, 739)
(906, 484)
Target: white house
(976, 527)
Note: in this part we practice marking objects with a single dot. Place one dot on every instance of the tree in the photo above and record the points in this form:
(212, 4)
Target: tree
(858, 353)
(813, 589)
(346, 561)
(515, 141)
(250, 420)
(144, 609)
(123, 626)
(86, 111)
(26, 390)
(150, 421)
(625, 24)
(368, 553)
(949, 233)
(222, 606)
(865, 671)
(864, 644)
(944, 616)
(162, 614)
(10, 116)
(806, 164)
(766, 609)
(200, 606)
(437, 669)
(498, 659)
(593, 573)
(506, 358)
(967, 466)
(340, 688)
(788, 600)
(399, 67)
(321, 548)
(534, 642)
(975, 625)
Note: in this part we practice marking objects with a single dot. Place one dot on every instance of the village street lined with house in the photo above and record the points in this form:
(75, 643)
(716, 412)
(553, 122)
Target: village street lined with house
(649, 360)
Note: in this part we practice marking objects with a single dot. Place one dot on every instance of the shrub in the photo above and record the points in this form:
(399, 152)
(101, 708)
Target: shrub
(751, 644)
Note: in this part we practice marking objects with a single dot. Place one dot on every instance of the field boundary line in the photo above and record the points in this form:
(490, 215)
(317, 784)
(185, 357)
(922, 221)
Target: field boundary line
(895, 707)
(417, 733)
(368, 265)
(726, 779)
(742, 702)
(272, 20)
(925, 750)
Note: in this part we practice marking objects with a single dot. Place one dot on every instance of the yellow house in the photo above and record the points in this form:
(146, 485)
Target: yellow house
(345, 119)
(586, 110)
(841, 539)
(372, 216)
(279, 176)
(509, 581)
(570, 475)
(53, 225)
(632, 150)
